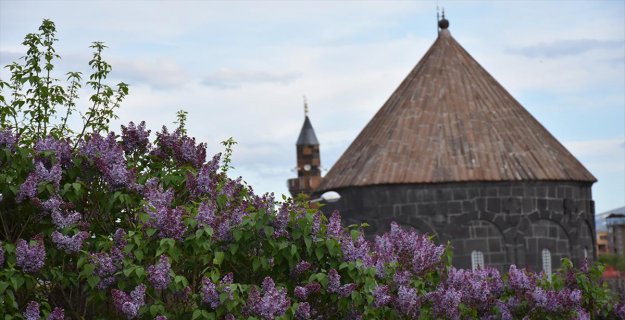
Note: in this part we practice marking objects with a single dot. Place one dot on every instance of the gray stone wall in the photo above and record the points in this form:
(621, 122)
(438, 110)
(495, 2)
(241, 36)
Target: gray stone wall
(511, 222)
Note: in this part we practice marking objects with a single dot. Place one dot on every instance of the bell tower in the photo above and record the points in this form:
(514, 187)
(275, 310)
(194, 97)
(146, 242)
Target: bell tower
(308, 159)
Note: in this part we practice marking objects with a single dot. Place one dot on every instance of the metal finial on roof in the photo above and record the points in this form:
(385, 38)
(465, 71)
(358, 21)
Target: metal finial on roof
(305, 107)
(443, 23)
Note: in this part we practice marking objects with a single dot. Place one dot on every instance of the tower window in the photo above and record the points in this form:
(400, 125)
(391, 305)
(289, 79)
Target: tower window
(477, 260)
(585, 253)
(547, 262)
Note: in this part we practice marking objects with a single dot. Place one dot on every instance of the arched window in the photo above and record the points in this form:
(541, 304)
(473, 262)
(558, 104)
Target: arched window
(477, 260)
(547, 262)
(585, 253)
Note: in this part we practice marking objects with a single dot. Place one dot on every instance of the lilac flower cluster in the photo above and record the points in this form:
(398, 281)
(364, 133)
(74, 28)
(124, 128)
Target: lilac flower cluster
(316, 226)
(105, 268)
(410, 250)
(129, 304)
(65, 219)
(69, 244)
(28, 189)
(407, 301)
(477, 287)
(271, 304)
(300, 268)
(303, 311)
(520, 280)
(30, 257)
(135, 138)
(334, 284)
(108, 157)
(210, 291)
(181, 147)
(57, 314)
(382, 296)
(61, 148)
(207, 178)
(554, 301)
(334, 230)
(7, 139)
(162, 217)
(445, 302)
(302, 293)
(281, 220)
(159, 274)
(357, 250)
(32, 311)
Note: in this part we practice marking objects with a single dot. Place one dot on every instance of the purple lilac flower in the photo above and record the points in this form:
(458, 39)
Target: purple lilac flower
(281, 221)
(1, 254)
(582, 314)
(382, 296)
(427, 255)
(30, 257)
(347, 289)
(225, 283)
(273, 303)
(159, 274)
(303, 311)
(160, 318)
(302, 293)
(104, 268)
(334, 225)
(108, 156)
(180, 147)
(206, 182)
(519, 280)
(407, 301)
(135, 138)
(7, 139)
(504, 310)
(477, 287)
(301, 267)
(356, 250)
(210, 296)
(162, 217)
(61, 149)
(316, 225)
(57, 314)
(61, 220)
(619, 310)
(334, 281)
(229, 316)
(32, 311)
(28, 189)
(446, 302)
(210, 292)
(402, 278)
(206, 213)
(129, 304)
(70, 244)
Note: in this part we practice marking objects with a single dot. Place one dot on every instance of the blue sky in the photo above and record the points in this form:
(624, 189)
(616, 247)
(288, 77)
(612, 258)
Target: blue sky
(241, 68)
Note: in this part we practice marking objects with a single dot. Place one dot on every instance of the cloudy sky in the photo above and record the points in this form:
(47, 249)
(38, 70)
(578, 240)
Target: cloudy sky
(241, 68)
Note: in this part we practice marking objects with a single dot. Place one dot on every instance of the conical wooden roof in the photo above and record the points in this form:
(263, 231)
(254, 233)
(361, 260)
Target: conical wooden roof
(451, 121)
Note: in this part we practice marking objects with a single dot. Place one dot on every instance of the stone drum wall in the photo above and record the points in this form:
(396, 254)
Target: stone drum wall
(509, 222)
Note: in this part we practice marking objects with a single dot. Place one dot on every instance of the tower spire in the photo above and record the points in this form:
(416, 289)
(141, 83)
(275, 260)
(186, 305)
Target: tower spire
(305, 107)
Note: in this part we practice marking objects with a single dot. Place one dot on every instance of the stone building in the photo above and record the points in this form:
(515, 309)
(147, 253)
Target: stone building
(453, 154)
(308, 160)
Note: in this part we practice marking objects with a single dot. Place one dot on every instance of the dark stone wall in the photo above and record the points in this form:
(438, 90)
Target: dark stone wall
(511, 222)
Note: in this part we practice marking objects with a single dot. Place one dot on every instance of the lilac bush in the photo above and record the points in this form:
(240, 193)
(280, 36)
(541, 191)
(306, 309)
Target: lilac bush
(131, 226)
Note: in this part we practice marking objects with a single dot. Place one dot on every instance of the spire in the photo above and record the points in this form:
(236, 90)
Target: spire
(443, 23)
(307, 134)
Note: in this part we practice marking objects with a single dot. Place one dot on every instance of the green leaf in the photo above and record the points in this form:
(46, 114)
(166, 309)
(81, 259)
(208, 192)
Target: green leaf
(219, 258)
(319, 252)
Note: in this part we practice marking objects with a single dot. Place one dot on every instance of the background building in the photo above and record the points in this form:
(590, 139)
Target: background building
(453, 154)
